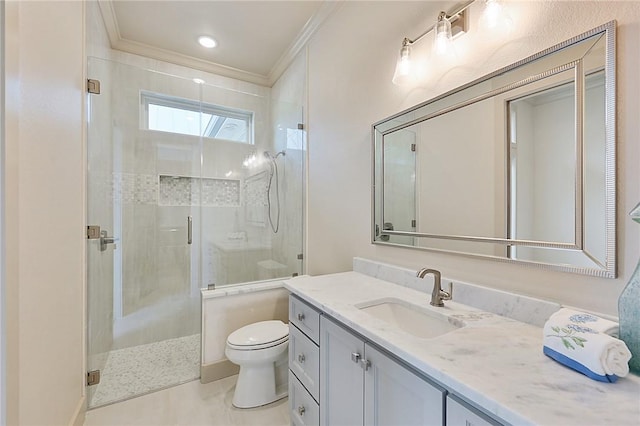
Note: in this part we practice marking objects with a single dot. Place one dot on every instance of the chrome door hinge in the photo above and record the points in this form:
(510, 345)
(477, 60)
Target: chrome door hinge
(413, 223)
(93, 377)
(300, 256)
(93, 86)
(413, 147)
(300, 126)
(93, 232)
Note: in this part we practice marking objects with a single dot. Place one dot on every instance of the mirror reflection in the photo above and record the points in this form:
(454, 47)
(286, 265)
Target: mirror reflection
(518, 165)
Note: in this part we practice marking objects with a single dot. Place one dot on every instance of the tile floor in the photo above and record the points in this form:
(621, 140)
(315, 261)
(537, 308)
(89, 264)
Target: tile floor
(189, 404)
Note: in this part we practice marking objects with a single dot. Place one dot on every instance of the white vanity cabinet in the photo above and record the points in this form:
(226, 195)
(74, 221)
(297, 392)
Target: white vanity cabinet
(304, 359)
(362, 385)
(336, 377)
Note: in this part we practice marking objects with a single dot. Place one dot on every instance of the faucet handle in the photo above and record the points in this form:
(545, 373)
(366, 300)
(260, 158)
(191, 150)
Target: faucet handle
(447, 295)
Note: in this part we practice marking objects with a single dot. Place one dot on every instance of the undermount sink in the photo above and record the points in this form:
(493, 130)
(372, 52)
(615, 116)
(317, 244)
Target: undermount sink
(415, 320)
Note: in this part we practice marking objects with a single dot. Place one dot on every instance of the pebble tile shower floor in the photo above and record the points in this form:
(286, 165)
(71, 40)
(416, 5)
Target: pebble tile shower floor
(138, 370)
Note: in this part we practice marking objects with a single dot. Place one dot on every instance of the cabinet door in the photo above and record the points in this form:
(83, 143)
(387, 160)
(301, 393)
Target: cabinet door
(341, 376)
(396, 396)
(460, 414)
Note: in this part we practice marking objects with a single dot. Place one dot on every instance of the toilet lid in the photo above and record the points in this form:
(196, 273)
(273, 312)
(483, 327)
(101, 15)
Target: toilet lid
(259, 334)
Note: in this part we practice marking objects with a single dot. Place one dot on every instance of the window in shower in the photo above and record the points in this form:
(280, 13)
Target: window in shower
(166, 113)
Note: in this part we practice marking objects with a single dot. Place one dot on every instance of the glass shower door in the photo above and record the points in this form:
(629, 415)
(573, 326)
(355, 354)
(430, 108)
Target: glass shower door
(143, 271)
(256, 233)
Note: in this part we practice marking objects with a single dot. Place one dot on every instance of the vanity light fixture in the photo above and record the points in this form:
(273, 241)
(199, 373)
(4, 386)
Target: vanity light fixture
(447, 27)
(403, 67)
(206, 41)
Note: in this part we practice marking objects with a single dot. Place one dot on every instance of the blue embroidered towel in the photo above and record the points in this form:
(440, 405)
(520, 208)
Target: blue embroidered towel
(601, 325)
(572, 338)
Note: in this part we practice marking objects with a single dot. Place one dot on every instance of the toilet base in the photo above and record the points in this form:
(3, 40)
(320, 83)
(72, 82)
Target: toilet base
(256, 386)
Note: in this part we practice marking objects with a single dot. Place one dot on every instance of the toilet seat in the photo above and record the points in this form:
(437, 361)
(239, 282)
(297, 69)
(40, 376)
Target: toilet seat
(260, 335)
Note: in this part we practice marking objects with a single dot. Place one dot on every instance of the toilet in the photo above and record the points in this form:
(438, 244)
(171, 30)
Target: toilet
(260, 349)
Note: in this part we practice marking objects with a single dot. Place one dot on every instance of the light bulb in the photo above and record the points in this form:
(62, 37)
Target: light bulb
(404, 63)
(496, 17)
(208, 42)
(443, 43)
(492, 13)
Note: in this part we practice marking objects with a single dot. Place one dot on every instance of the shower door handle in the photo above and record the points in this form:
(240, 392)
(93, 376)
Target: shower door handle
(189, 230)
(104, 240)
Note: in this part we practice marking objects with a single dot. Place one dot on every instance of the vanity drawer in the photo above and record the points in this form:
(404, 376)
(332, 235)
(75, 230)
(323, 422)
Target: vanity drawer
(461, 414)
(303, 410)
(306, 318)
(304, 360)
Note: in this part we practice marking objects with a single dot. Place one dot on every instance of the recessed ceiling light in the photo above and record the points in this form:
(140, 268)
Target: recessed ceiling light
(198, 81)
(207, 42)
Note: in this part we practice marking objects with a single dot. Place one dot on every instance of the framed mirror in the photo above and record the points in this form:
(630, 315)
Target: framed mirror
(517, 166)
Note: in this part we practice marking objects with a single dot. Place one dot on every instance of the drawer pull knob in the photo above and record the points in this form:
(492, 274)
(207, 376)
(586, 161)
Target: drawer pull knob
(300, 317)
(301, 410)
(301, 358)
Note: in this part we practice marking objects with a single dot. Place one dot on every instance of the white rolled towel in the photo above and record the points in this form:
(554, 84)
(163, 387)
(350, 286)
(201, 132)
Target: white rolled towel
(577, 345)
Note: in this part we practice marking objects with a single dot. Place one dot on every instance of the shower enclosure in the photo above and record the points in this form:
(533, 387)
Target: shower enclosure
(193, 185)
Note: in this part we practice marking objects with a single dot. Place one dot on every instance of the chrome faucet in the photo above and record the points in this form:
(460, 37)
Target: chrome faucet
(438, 294)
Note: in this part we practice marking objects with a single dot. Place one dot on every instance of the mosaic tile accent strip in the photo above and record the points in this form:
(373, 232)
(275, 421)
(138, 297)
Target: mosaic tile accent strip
(135, 188)
(220, 192)
(186, 191)
(142, 369)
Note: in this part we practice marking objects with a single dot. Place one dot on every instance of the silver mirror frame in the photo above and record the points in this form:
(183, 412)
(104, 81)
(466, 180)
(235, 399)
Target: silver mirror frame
(609, 268)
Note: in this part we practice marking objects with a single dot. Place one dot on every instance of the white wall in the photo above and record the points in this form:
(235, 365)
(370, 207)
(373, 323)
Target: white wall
(44, 211)
(351, 63)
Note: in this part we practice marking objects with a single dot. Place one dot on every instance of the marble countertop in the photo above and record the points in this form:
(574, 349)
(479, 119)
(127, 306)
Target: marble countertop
(493, 361)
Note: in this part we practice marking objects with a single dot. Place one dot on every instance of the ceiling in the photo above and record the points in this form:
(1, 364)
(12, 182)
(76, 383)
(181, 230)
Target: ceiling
(256, 39)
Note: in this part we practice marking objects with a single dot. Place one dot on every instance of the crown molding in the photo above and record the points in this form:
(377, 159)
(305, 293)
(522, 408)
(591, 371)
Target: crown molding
(142, 49)
(189, 61)
(303, 37)
(110, 22)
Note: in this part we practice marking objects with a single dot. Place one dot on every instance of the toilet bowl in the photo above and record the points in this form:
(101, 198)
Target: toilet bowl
(259, 349)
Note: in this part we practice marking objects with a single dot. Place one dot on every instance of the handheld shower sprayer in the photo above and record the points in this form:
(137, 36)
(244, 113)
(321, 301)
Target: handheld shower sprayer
(273, 166)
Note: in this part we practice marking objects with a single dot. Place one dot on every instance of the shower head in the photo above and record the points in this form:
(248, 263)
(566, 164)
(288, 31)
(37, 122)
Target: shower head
(272, 157)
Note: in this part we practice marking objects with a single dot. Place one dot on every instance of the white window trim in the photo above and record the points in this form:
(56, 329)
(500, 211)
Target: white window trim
(147, 98)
